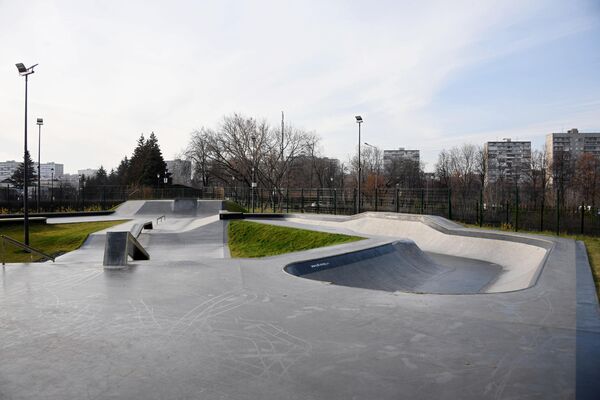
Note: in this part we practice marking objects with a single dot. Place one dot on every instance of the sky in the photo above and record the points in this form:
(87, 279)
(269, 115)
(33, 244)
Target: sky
(423, 75)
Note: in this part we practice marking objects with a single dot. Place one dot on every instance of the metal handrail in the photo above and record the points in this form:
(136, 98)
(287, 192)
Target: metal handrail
(23, 246)
(161, 218)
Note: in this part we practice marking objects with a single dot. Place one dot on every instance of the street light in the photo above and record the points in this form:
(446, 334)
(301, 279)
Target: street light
(39, 122)
(359, 121)
(52, 187)
(24, 71)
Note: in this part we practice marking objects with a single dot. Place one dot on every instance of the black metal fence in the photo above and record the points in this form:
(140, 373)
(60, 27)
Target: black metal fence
(471, 208)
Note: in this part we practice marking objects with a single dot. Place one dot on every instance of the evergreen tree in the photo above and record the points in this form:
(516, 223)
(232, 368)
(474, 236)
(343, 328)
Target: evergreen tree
(136, 164)
(17, 177)
(154, 165)
(122, 174)
(101, 176)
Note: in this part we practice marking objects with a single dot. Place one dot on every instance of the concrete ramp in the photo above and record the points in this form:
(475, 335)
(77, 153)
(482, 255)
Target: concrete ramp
(400, 266)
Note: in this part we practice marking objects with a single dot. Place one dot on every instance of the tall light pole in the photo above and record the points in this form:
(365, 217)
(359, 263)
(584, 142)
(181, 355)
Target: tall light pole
(253, 168)
(52, 187)
(24, 71)
(375, 148)
(359, 121)
(39, 122)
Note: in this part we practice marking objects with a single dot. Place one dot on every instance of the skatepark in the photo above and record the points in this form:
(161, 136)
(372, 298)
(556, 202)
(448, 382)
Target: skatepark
(421, 308)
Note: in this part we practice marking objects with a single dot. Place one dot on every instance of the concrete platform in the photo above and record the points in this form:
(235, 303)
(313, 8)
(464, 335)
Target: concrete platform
(209, 327)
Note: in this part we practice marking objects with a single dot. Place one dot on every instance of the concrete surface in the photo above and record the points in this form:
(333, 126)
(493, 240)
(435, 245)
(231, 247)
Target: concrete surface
(203, 326)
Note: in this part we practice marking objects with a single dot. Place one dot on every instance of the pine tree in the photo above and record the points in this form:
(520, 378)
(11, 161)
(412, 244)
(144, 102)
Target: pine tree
(17, 177)
(101, 176)
(154, 165)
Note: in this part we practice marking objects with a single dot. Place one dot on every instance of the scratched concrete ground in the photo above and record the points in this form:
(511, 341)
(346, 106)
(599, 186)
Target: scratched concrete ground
(192, 323)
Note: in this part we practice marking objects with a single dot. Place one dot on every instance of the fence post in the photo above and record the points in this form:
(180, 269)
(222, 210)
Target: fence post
(507, 210)
(542, 213)
(557, 211)
(422, 201)
(335, 201)
(355, 206)
(517, 209)
(318, 205)
(582, 215)
(449, 203)
(302, 200)
(287, 200)
(397, 200)
(480, 208)
(376, 199)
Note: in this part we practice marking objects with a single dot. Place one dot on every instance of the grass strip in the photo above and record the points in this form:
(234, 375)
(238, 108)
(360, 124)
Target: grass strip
(52, 239)
(253, 239)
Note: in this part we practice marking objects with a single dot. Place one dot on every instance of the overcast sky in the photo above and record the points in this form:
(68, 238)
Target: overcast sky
(423, 74)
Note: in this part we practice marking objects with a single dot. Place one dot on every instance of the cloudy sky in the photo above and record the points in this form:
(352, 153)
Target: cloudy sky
(423, 74)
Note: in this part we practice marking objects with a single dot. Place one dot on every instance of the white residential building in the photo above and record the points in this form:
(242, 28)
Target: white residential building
(507, 160)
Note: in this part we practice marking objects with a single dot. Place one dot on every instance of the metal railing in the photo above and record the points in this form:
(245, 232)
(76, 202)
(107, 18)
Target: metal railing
(5, 239)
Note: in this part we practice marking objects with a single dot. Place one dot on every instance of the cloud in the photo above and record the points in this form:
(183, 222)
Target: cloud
(111, 70)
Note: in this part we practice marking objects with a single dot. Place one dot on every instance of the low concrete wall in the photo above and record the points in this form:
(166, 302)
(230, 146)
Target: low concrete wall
(522, 257)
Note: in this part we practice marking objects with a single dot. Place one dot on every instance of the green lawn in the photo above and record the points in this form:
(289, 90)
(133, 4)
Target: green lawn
(252, 239)
(592, 244)
(52, 239)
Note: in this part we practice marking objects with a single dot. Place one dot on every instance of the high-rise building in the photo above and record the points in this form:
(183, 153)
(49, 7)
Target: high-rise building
(400, 154)
(562, 148)
(7, 168)
(507, 160)
(181, 172)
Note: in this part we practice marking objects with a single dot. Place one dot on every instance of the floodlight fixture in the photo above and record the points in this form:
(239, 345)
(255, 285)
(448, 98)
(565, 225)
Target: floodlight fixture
(359, 119)
(40, 121)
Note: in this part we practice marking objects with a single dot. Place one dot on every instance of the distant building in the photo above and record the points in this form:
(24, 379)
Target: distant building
(70, 179)
(507, 160)
(88, 172)
(7, 168)
(568, 147)
(401, 153)
(181, 172)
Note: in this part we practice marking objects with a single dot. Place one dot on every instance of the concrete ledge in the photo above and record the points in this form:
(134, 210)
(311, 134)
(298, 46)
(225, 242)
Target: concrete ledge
(19, 220)
(119, 246)
(60, 214)
(225, 215)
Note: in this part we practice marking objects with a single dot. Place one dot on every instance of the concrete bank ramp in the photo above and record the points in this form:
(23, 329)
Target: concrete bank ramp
(176, 208)
(521, 257)
(400, 266)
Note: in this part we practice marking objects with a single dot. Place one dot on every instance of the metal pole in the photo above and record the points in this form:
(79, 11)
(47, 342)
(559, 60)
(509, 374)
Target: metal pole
(39, 167)
(480, 208)
(517, 209)
(25, 176)
(334, 201)
(397, 200)
(582, 214)
(359, 171)
(557, 211)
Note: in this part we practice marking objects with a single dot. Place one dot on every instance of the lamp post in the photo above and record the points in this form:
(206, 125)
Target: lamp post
(359, 121)
(24, 71)
(52, 186)
(40, 122)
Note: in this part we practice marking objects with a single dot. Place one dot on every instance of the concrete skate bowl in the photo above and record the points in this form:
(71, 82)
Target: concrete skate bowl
(432, 255)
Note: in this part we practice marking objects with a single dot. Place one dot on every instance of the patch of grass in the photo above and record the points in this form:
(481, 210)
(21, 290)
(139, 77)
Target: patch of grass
(253, 239)
(52, 239)
(232, 206)
(592, 244)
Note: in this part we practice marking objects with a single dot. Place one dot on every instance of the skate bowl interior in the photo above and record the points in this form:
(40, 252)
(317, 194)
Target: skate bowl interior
(430, 255)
